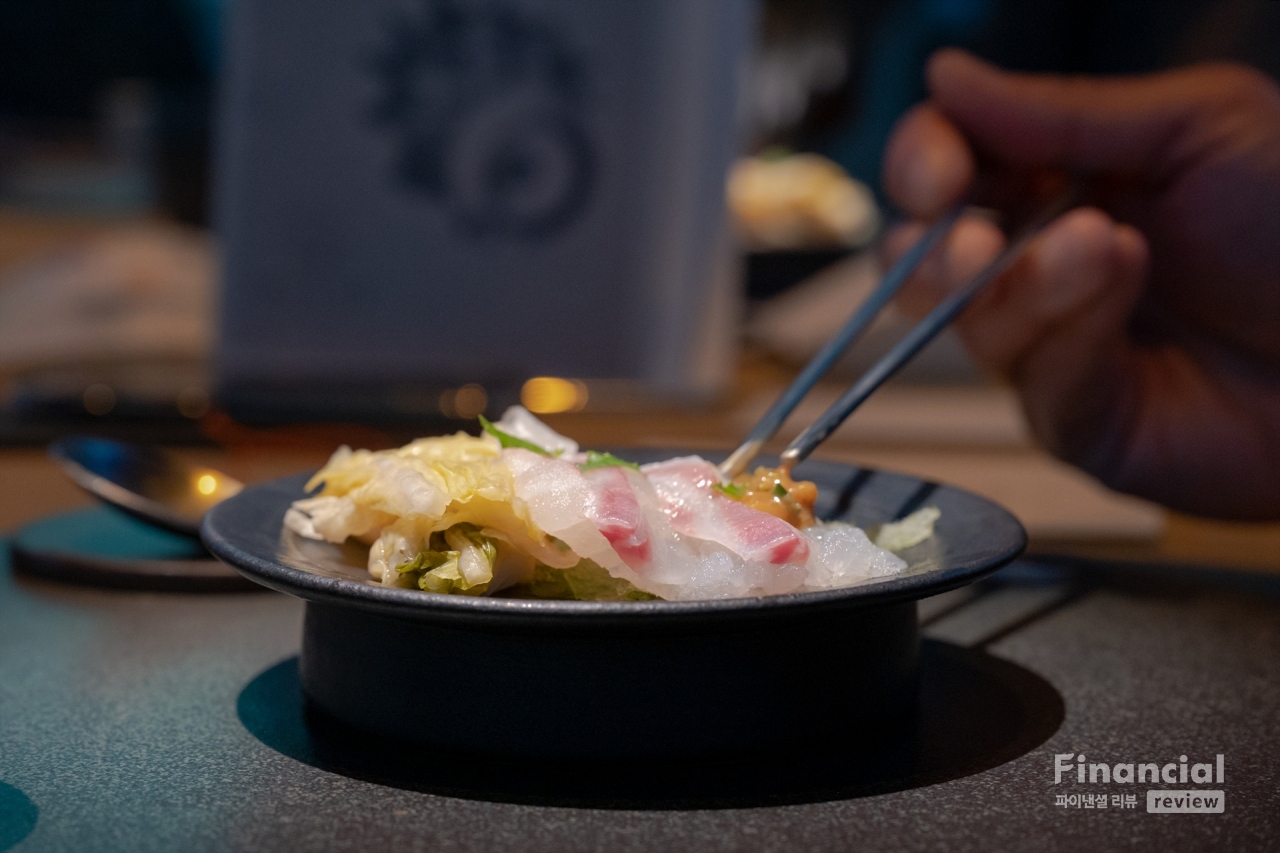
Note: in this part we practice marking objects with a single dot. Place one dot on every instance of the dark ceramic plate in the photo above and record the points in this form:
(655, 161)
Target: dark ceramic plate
(609, 679)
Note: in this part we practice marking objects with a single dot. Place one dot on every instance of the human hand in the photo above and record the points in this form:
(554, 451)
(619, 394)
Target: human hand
(1143, 334)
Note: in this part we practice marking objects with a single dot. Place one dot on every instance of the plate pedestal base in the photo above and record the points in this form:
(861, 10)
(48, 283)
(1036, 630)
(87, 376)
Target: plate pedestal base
(598, 691)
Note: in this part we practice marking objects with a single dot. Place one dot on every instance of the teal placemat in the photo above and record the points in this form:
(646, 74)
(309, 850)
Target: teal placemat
(108, 533)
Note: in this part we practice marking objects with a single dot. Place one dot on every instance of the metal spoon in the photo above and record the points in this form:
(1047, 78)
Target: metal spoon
(150, 484)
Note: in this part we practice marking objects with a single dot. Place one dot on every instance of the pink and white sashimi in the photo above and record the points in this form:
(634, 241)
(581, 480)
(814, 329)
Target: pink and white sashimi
(520, 503)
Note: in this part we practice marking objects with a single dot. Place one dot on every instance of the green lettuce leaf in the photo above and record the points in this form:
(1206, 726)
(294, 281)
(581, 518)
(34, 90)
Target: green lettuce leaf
(595, 459)
(471, 535)
(434, 571)
(508, 440)
(440, 568)
(584, 582)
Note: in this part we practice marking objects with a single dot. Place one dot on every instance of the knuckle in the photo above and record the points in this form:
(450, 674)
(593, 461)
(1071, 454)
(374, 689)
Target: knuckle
(1243, 86)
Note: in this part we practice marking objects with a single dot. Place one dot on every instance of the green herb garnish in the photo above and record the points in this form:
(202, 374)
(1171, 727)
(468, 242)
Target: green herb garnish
(596, 459)
(779, 490)
(732, 490)
(508, 440)
(584, 582)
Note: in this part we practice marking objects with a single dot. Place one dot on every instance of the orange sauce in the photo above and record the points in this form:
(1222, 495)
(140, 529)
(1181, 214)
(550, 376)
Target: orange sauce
(760, 491)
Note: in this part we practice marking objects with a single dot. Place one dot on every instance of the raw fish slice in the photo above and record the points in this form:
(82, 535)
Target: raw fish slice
(616, 513)
(672, 560)
(688, 568)
(560, 497)
(756, 535)
(518, 421)
(557, 496)
(842, 555)
(685, 487)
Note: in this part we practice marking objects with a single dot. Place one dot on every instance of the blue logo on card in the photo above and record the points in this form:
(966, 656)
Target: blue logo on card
(487, 102)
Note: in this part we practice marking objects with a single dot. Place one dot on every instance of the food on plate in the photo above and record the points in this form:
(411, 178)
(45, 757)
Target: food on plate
(911, 530)
(773, 491)
(787, 201)
(521, 510)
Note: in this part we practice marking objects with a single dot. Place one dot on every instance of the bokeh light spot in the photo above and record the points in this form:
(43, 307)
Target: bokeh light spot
(549, 394)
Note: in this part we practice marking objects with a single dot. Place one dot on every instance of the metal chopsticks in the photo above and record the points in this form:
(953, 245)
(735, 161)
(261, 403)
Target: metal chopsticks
(906, 349)
(923, 332)
(853, 328)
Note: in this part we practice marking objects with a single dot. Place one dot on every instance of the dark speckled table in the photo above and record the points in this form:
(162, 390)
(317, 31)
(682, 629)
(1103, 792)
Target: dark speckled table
(150, 721)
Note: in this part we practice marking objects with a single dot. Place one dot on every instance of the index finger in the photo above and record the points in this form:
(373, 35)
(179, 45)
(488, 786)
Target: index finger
(928, 165)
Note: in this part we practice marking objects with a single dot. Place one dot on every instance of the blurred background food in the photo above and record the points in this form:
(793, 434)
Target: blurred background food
(726, 254)
(782, 201)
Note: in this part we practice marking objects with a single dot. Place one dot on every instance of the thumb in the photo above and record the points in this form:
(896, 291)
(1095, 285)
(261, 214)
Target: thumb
(1097, 124)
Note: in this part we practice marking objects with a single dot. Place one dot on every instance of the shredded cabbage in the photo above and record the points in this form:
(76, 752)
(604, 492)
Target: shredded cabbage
(584, 582)
(404, 496)
(912, 530)
(465, 563)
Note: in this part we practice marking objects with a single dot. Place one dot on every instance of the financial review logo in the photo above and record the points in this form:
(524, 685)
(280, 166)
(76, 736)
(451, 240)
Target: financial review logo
(487, 102)
(1070, 768)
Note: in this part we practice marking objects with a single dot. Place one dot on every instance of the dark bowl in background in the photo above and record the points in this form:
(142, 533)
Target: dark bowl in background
(604, 680)
(769, 273)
